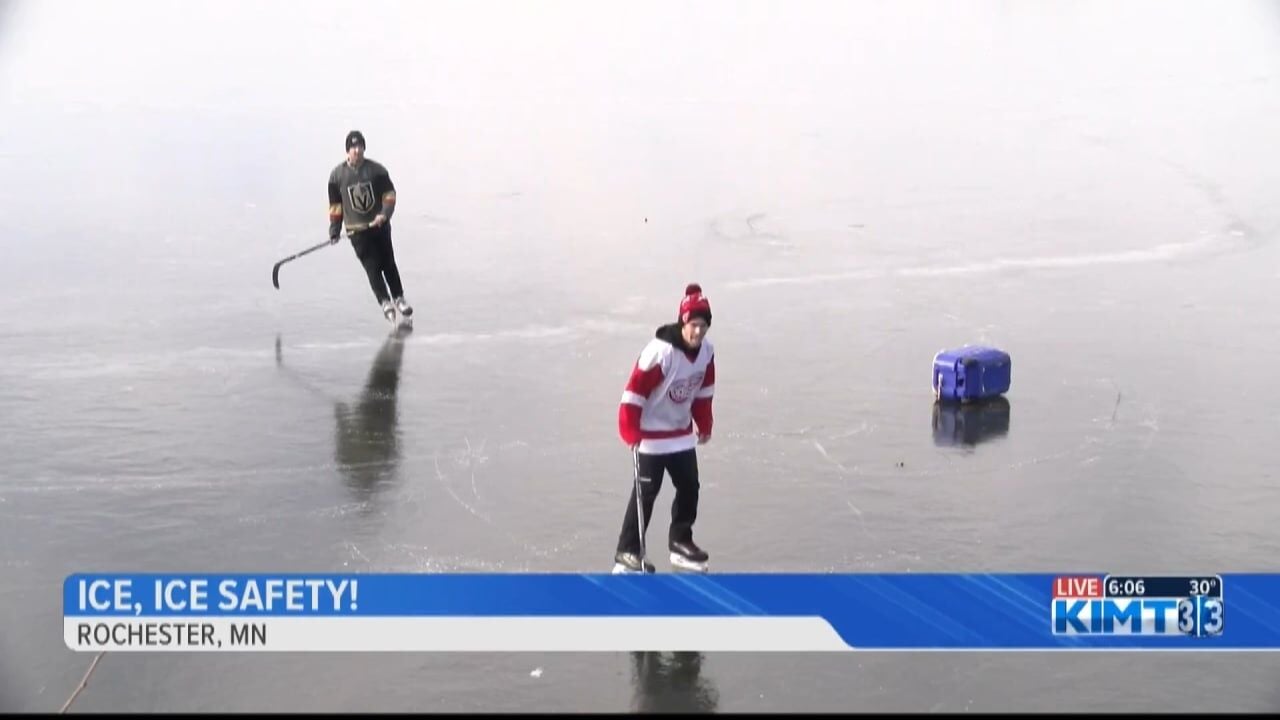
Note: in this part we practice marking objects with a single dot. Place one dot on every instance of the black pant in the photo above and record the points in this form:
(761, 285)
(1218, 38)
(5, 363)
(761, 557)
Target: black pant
(683, 468)
(373, 248)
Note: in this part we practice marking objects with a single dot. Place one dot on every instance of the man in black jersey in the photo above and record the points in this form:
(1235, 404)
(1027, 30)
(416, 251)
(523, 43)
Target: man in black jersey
(362, 197)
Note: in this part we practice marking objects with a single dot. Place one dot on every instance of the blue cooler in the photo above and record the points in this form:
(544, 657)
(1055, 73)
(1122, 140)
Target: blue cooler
(972, 372)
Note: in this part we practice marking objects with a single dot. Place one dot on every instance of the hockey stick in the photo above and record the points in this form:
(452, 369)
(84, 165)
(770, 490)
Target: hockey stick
(635, 465)
(275, 271)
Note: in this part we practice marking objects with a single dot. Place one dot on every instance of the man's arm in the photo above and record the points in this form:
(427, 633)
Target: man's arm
(646, 375)
(385, 189)
(335, 207)
(701, 409)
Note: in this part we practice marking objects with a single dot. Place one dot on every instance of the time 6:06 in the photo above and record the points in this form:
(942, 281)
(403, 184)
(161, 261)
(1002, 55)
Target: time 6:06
(1116, 586)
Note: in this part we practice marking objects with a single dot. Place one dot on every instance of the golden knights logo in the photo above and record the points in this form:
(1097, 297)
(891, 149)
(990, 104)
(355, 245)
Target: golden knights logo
(361, 197)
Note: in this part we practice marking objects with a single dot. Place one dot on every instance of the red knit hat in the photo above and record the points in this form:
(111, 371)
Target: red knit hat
(694, 304)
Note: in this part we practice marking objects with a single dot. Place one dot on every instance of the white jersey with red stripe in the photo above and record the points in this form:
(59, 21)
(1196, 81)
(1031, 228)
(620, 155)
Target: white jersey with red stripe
(666, 393)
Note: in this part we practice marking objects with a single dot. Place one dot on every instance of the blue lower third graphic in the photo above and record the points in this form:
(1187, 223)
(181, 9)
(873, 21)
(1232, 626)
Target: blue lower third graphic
(602, 612)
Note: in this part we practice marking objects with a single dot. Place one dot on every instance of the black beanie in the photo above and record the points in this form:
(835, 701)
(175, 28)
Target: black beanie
(355, 137)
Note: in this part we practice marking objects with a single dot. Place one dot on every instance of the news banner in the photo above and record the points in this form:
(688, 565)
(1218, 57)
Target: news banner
(717, 612)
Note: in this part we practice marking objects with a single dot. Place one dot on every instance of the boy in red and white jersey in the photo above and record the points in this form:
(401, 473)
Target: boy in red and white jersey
(669, 391)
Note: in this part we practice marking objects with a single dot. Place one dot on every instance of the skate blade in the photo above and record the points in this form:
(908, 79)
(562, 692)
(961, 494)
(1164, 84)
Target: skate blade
(400, 324)
(681, 562)
(620, 569)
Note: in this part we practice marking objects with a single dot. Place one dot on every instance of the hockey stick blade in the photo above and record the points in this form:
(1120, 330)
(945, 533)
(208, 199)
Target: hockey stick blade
(275, 271)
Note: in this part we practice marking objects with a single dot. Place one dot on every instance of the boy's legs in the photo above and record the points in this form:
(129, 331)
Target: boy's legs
(683, 468)
(651, 470)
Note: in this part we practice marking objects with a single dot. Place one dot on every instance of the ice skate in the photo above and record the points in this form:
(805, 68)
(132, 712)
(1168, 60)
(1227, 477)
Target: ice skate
(686, 555)
(403, 307)
(625, 563)
(389, 311)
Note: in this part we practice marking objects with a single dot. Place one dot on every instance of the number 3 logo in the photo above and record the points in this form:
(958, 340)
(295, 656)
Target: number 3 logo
(1209, 611)
(1211, 616)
